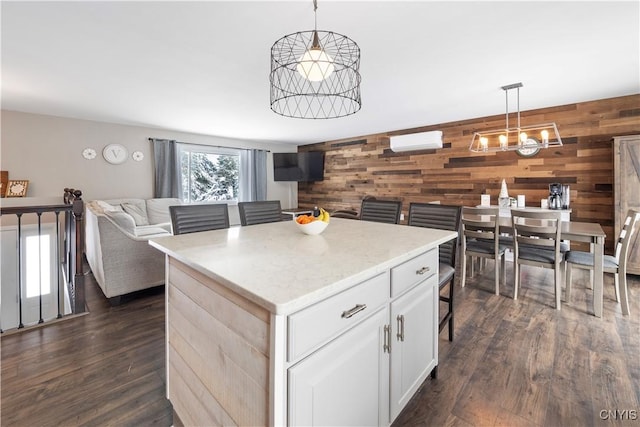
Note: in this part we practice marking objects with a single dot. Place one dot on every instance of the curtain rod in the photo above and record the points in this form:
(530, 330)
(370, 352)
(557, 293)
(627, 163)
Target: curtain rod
(203, 145)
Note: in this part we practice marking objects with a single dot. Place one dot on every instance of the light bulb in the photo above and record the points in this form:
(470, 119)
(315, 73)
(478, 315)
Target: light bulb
(545, 137)
(523, 138)
(315, 65)
(484, 143)
(503, 141)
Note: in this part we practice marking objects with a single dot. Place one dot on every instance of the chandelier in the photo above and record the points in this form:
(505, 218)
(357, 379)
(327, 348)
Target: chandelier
(526, 140)
(315, 74)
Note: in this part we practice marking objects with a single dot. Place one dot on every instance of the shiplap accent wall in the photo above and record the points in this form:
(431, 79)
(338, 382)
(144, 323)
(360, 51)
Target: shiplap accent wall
(364, 165)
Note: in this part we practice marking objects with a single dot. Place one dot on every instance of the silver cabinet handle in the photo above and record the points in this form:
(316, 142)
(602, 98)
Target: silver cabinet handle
(400, 334)
(355, 310)
(386, 346)
(423, 270)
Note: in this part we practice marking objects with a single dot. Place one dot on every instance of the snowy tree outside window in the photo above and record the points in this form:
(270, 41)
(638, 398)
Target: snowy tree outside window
(209, 175)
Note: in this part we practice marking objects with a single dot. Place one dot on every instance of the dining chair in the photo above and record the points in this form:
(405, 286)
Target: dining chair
(442, 217)
(481, 239)
(387, 211)
(614, 264)
(536, 242)
(345, 213)
(259, 212)
(192, 218)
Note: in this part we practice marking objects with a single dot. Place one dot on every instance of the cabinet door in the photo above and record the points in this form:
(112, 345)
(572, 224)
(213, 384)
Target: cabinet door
(344, 383)
(627, 191)
(414, 348)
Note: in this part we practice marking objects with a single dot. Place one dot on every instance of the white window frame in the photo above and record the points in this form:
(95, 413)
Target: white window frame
(195, 148)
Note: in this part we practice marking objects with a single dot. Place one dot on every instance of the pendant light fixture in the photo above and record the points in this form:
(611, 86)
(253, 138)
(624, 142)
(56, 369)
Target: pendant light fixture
(526, 140)
(315, 74)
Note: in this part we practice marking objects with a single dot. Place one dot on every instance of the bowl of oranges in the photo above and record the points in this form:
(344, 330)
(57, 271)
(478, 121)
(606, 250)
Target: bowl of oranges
(311, 224)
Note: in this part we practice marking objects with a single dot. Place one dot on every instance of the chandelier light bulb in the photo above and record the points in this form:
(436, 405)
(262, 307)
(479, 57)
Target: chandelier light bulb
(315, 65)
(544, 134)
(503, 141)
(523, 138)
(484, 143)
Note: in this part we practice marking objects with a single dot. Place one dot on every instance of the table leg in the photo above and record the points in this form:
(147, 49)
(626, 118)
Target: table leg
(598, 274)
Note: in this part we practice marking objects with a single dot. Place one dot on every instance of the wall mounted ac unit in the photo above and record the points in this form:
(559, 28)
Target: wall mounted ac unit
(416, 141)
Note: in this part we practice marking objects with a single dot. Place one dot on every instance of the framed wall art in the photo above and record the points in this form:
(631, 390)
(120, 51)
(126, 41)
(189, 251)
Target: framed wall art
(17, 188)
(4, 180)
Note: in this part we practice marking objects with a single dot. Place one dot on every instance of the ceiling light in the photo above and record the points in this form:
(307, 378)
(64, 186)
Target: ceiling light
(315, 75)
(520, 138)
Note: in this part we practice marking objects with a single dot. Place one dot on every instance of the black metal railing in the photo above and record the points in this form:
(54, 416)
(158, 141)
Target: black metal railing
(69, 273)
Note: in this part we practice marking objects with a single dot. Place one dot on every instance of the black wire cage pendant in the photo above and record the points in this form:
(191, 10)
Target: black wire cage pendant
(315, 75)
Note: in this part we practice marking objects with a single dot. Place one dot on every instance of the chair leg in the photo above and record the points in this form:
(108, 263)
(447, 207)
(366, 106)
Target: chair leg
(497, 275)
(504, 270)
(567, 292)
(516, 278)
(616, 283)
(448, 317)
(558, 284)
(451, 308)
(463, 270)
(624, 296)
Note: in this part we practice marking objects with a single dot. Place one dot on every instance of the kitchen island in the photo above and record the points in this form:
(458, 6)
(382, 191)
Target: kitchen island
(269, 326)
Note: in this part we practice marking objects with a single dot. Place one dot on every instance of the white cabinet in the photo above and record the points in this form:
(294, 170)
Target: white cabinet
(414, 345)
(346, 382)
(366, 375)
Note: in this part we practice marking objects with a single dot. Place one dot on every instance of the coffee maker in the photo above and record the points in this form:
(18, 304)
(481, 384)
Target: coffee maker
(555, 196)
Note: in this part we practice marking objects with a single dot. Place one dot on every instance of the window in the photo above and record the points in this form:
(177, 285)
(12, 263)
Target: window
(209, 173)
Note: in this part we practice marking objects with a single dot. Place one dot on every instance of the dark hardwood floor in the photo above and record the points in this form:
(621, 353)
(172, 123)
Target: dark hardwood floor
(103, 368)
(512, 363)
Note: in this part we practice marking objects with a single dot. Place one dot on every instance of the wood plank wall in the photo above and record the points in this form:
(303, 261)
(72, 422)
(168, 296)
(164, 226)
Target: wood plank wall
(364, 165)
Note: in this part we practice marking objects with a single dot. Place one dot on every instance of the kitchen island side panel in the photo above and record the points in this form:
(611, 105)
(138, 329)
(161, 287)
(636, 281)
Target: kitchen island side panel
(218, 362)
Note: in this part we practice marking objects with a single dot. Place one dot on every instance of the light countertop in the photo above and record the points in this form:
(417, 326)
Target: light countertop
(283, 270)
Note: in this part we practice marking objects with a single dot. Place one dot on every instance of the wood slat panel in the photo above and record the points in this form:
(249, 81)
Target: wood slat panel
(456, 176)
(222, 345)
(214, 299)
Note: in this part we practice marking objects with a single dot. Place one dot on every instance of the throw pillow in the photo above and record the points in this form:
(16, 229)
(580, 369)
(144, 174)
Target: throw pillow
(158, 210)
(139, 216)
(106, 207)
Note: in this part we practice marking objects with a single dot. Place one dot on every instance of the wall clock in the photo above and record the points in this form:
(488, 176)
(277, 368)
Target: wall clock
(115, 154)
(89, 153)
(529, 148)
(137, 156)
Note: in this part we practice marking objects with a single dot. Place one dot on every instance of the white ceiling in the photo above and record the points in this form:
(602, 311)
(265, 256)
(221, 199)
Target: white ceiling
(203, 67)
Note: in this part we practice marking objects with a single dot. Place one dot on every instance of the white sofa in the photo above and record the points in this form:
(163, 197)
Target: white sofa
(116, 243)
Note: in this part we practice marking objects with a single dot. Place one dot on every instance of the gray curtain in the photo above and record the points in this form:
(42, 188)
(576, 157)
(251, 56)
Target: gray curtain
(253, 173)
(168, 181)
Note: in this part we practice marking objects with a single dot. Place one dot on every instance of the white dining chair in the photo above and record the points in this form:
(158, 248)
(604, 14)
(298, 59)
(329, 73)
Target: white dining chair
(614, 264)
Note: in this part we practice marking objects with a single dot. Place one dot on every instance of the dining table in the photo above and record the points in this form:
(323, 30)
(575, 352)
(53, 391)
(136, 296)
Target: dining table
(589, 232)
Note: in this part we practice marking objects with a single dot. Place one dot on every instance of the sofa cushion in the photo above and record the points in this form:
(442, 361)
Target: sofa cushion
(122, 220)
(139, 213)
(151, 230)
(158, 209)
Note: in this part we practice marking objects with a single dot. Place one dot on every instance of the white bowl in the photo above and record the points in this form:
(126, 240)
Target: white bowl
(312, 228)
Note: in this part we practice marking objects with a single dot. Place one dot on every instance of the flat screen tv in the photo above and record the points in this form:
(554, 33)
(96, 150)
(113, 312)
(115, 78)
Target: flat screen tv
(302, 167)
